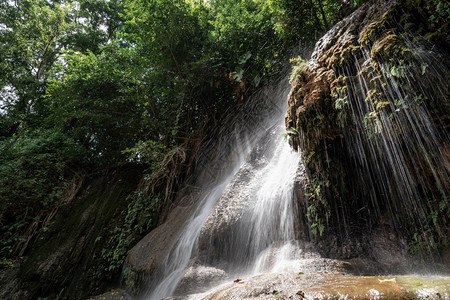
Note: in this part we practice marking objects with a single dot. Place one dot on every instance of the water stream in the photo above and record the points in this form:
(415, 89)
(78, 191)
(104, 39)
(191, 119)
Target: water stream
(245, 221)
(180, 255)
(247, 230)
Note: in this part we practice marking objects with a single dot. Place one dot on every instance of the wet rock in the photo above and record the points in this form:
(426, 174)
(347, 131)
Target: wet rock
(218, 162)
(222, 225)
(199, 278)
(390, 250)
(330, 286)
(147, 257)
(366, 151)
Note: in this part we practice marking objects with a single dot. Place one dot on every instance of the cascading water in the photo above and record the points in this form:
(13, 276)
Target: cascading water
(247, 228)
(179, 257)
(256, 221)
(392, 135)
(261, 210)
(271, 225)
(372, 112)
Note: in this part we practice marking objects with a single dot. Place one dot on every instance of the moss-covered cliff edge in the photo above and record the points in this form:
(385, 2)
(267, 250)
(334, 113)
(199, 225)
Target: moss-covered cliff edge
(370, 112)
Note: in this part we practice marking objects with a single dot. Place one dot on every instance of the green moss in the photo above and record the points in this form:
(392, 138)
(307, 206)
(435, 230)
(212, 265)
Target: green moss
(346, 56)
(374, 30)
(371, 94)
(409, 26)
(381, 105)
(138, 218)
(406, 18)
(389, 46)
(318, 210)
(433, 37)
(378, 99)
(130, 281)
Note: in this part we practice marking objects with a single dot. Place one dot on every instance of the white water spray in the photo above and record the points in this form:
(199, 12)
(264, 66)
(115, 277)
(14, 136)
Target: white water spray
(262, 235)
(179, 257)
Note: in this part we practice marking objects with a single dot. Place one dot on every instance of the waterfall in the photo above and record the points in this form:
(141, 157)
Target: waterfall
(392, 136)
(244, 222)
(180, 255)
(272, 218)
(248, 228)
(377, 156)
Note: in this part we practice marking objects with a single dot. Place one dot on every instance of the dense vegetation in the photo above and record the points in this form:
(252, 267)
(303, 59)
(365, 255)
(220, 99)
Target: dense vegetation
(88, 85)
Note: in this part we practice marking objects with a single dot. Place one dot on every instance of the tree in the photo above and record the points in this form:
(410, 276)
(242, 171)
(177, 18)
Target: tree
(87, 85)
(98, 103)
(32, 35)
(95, 23)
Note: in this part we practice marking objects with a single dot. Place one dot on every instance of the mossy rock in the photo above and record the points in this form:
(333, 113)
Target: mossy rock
(381, 105)
(347, 55)
(374, 30)
(389, 46)
(383, 59)
(66, 260)
(409, 26)
(434, 37)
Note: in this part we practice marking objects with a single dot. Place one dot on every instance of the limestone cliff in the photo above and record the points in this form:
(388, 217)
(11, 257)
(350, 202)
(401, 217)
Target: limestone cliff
(370, 112)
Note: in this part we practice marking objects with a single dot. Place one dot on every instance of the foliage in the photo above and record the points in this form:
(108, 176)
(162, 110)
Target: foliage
(10, 237)
(31, 36)
(299, 64)
(244, 40)
(275, 292)
(168, 33)
(318, 210)
(439, 11)
(291, 132)
(99, 103)
(94, 23)
(150, 152)
(35, 169)
(171, 64)
(372, 125)
(32, 165)
(137, 221)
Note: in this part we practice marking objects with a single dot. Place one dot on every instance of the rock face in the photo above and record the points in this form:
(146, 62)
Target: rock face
(66, 262)
(359, 110)
(372, 111)
(146, 260)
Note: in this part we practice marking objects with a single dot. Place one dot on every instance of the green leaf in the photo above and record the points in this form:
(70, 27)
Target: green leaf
(275, 292)
(244, 58)
(238, 74)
